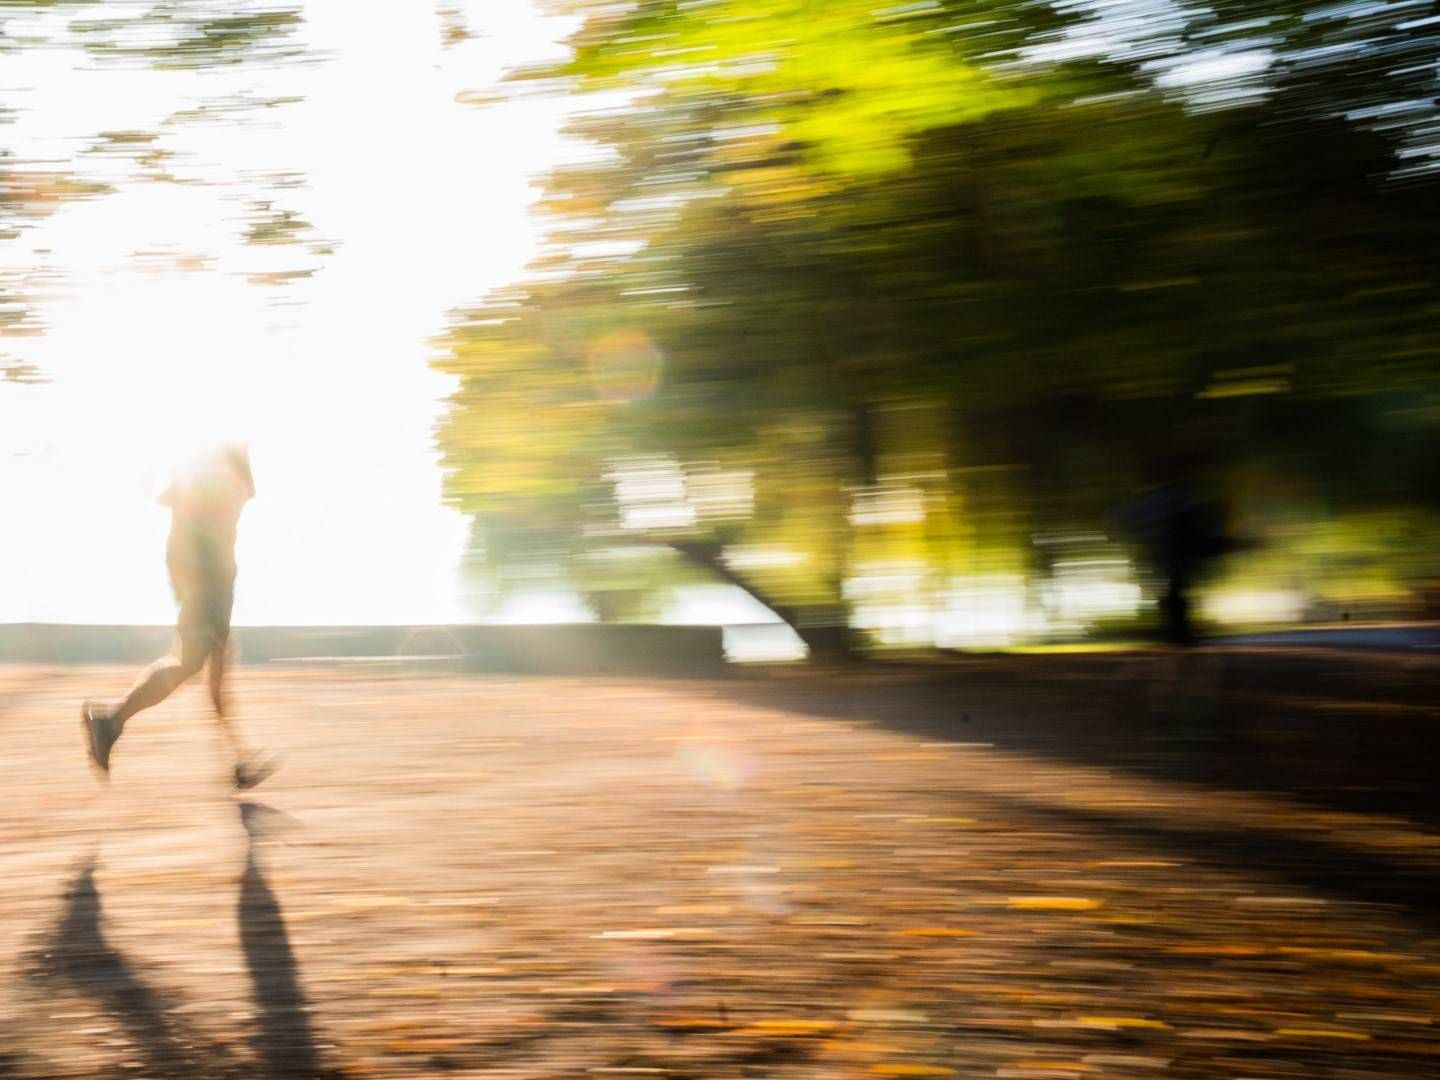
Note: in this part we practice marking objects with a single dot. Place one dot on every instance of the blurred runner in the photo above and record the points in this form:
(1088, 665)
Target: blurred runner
(205, 499)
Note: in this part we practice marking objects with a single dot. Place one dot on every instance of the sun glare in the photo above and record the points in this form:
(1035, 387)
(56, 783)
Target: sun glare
(164, 328)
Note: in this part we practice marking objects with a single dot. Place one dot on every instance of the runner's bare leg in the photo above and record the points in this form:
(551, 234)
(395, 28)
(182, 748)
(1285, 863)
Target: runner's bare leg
(159, 680)
(218, 658)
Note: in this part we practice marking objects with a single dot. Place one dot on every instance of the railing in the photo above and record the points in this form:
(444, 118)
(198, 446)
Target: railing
(562, 649)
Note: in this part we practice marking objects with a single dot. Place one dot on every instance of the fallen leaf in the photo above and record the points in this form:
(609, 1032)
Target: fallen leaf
(421, 1046)
(840, 1046)
(1054, 903)
(1124, 1022)
(1323, 1033)
(900, 1068)
(787, 1028)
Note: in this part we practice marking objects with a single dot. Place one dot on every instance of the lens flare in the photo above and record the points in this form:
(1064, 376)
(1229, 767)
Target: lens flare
(625, 366)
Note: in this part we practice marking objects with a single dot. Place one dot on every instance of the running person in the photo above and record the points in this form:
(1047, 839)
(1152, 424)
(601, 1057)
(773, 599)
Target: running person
(205, 501)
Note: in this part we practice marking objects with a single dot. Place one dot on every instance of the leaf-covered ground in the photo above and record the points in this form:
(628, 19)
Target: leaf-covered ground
(1061, 869)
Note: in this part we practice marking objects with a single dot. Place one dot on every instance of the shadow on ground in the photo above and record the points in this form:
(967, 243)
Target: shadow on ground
(78, 954)
(77, 957)
(1358, 734)
(284, 1038)
(1353, 733)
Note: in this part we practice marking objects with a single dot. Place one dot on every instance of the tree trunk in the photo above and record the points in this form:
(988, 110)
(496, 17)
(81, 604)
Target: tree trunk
(826, 642)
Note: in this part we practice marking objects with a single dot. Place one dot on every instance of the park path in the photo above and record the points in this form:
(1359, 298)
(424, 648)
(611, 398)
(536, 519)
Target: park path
(499, 877)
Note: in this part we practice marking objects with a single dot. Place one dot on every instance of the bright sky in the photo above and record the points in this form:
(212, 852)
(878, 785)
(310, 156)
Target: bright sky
(425, 199)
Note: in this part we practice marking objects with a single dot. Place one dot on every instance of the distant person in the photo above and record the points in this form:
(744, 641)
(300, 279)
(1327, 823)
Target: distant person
(205, 498)
(1181, 530)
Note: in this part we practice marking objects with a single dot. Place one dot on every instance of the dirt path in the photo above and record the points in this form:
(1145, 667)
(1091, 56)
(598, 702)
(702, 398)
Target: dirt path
(546, 878)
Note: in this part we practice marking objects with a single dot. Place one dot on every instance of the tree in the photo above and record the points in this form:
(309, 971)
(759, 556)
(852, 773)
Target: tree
(934, 281)
(168, 35)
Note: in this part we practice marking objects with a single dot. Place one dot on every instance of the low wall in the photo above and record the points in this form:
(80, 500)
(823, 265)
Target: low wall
(579, 649)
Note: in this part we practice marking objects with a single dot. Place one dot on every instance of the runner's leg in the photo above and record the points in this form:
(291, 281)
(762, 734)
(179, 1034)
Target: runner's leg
(160, 679)
(218, 658)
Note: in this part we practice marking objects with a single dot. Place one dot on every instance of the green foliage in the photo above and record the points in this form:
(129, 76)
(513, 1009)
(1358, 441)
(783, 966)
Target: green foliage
(822, 217)
(199, 35)
(171, 33)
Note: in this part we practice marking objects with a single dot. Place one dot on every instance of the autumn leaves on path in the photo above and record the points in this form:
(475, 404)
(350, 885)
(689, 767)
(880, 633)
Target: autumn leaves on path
(554, 878)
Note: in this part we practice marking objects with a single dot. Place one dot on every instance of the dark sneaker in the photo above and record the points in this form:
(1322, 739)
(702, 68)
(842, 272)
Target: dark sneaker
(255, 770)
(100, 736)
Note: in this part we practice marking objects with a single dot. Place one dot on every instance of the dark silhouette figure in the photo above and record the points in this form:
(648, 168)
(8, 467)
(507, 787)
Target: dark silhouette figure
(284, 1040)
(1181, 529)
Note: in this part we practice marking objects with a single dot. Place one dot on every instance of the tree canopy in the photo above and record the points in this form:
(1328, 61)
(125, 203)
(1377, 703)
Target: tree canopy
(198, 36)
(934, 275)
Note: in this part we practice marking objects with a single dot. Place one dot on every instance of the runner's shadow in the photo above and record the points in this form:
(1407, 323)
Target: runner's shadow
(79, 954)
(285, 1041)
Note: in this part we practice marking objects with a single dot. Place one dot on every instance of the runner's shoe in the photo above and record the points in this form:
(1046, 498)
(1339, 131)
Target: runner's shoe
(255, 770)
(100, 736)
